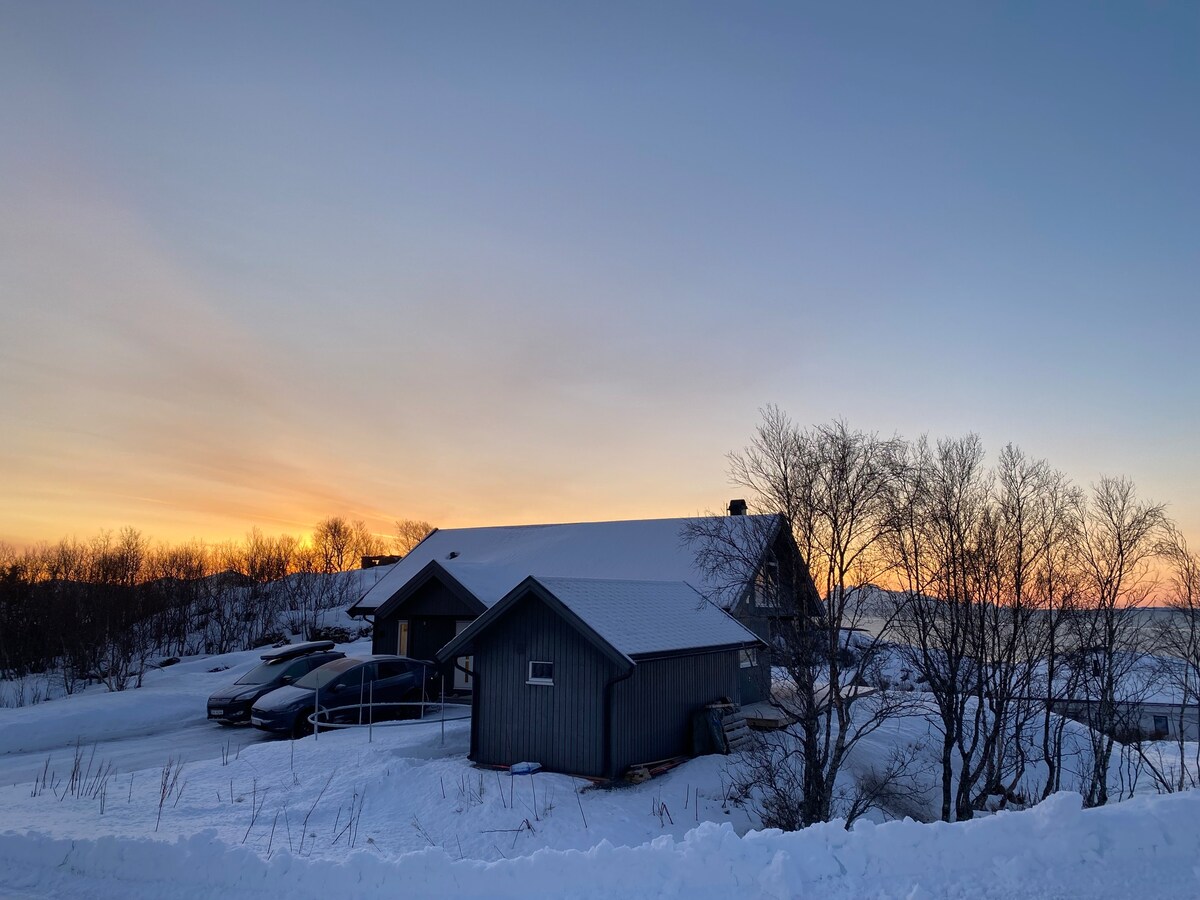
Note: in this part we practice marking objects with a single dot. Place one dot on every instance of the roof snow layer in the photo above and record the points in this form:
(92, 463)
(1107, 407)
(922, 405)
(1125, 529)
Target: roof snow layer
(638, 617)
(490, 562)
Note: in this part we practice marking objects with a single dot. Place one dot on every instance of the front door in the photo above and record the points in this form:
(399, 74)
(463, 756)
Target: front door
(462, 680)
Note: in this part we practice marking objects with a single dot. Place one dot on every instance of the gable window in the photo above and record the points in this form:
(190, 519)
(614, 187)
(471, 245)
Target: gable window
(748, 657)
(766, 585)
(540, 672)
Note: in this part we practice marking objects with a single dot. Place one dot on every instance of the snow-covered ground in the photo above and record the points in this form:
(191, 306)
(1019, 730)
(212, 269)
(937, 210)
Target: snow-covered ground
(134, 729)
(401, 810)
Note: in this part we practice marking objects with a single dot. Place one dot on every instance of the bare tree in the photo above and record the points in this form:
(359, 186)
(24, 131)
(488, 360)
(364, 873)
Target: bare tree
(1178, 636)
(1119, 538)
(1054, 579)
(941, 543)
(831, 484)
(340, 544)
(409, 533)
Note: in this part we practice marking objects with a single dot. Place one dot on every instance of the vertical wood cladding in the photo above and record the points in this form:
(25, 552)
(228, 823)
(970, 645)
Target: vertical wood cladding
(432, 613)
(652, 711)
(561, 725)
(383, 639)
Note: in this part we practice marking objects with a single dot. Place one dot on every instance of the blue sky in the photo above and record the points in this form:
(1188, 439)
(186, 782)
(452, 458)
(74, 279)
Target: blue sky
(487, 263)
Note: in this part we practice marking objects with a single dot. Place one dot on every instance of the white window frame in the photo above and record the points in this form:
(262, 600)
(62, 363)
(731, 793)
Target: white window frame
(540, 662)
(402, 637)
(748, 657)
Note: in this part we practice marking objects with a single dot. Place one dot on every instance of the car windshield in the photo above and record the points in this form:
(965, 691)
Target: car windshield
(261, 674)
(321, 676)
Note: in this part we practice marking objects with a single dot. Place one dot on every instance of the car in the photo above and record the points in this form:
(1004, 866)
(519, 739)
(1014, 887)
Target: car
(344, 687)
(231, 704)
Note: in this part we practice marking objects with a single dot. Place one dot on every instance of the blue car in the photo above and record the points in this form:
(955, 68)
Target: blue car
(343, 687)
(282, 666)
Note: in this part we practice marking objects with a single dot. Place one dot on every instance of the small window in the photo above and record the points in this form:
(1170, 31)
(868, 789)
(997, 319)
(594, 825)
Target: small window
(748, 658)
(389, 668)
(302, 667)
(402, 638)
(1162, 727)
(540, 673)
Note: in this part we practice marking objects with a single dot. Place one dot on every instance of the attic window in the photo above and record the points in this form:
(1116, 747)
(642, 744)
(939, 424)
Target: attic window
(540, 672)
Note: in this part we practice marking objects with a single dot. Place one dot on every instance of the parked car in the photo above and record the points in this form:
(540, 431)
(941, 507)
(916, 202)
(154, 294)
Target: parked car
(342, 686)
(231, 704)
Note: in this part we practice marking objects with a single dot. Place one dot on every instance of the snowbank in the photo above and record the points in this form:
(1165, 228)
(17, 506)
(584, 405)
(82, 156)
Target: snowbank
(1148, 846)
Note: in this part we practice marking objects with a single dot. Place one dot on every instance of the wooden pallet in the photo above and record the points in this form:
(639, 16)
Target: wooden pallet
(737, 732)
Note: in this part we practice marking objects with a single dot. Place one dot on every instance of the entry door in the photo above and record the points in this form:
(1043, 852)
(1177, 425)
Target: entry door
(402, 637)
(462, 680)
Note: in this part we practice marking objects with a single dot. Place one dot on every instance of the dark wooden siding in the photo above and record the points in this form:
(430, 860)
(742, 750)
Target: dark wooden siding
(560, 726)
(434, 599)
(755, 681)
(652, 710)
(431, 613)
(429, 634)
(383, 639)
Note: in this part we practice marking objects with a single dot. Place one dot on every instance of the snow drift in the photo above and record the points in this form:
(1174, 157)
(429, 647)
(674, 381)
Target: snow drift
(1146, 846)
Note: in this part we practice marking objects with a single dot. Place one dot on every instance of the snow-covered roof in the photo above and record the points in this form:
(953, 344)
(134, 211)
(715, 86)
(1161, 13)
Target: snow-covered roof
(1138, 678)
(638, 617)
(633, 617)
(490, 562)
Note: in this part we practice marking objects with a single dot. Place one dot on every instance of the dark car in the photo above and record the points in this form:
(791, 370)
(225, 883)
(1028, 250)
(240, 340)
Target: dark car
(231, 704)
(343, 687)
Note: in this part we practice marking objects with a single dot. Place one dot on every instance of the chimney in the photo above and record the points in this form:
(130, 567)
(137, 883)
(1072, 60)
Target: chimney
(737, 507)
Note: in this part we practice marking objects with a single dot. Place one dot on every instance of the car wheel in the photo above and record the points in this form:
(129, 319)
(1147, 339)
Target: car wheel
(302, 727)
(411, 712)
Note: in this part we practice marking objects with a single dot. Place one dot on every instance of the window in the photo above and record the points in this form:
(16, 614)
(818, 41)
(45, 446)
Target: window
(1161, 726)
(540, 672)
(302, 667)
(748, 658)
(393, 668)
(322, 675)
(766, 585)
(402, 637)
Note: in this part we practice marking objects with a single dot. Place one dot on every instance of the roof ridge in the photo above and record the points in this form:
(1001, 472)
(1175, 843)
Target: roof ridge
(601, 522)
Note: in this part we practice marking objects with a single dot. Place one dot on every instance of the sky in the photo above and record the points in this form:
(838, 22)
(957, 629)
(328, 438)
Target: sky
(496, 263)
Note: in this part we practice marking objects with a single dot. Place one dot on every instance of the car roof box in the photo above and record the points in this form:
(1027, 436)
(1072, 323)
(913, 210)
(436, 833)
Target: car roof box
(290, 650)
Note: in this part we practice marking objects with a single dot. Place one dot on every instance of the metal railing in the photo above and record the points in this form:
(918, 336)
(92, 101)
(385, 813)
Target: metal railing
(368, 708)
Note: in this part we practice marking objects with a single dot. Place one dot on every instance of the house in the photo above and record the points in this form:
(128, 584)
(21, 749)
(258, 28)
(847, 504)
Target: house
(1154, 698)
(591, 677)
(748, 565)
(1141, 720)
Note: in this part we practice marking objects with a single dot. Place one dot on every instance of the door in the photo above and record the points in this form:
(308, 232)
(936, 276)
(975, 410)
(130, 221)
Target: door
(402, 637)
(462, 680)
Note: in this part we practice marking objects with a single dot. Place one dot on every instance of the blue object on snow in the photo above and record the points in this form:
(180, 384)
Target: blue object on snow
(523, 768)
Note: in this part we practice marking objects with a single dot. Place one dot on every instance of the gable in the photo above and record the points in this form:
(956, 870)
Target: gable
(432, 592)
